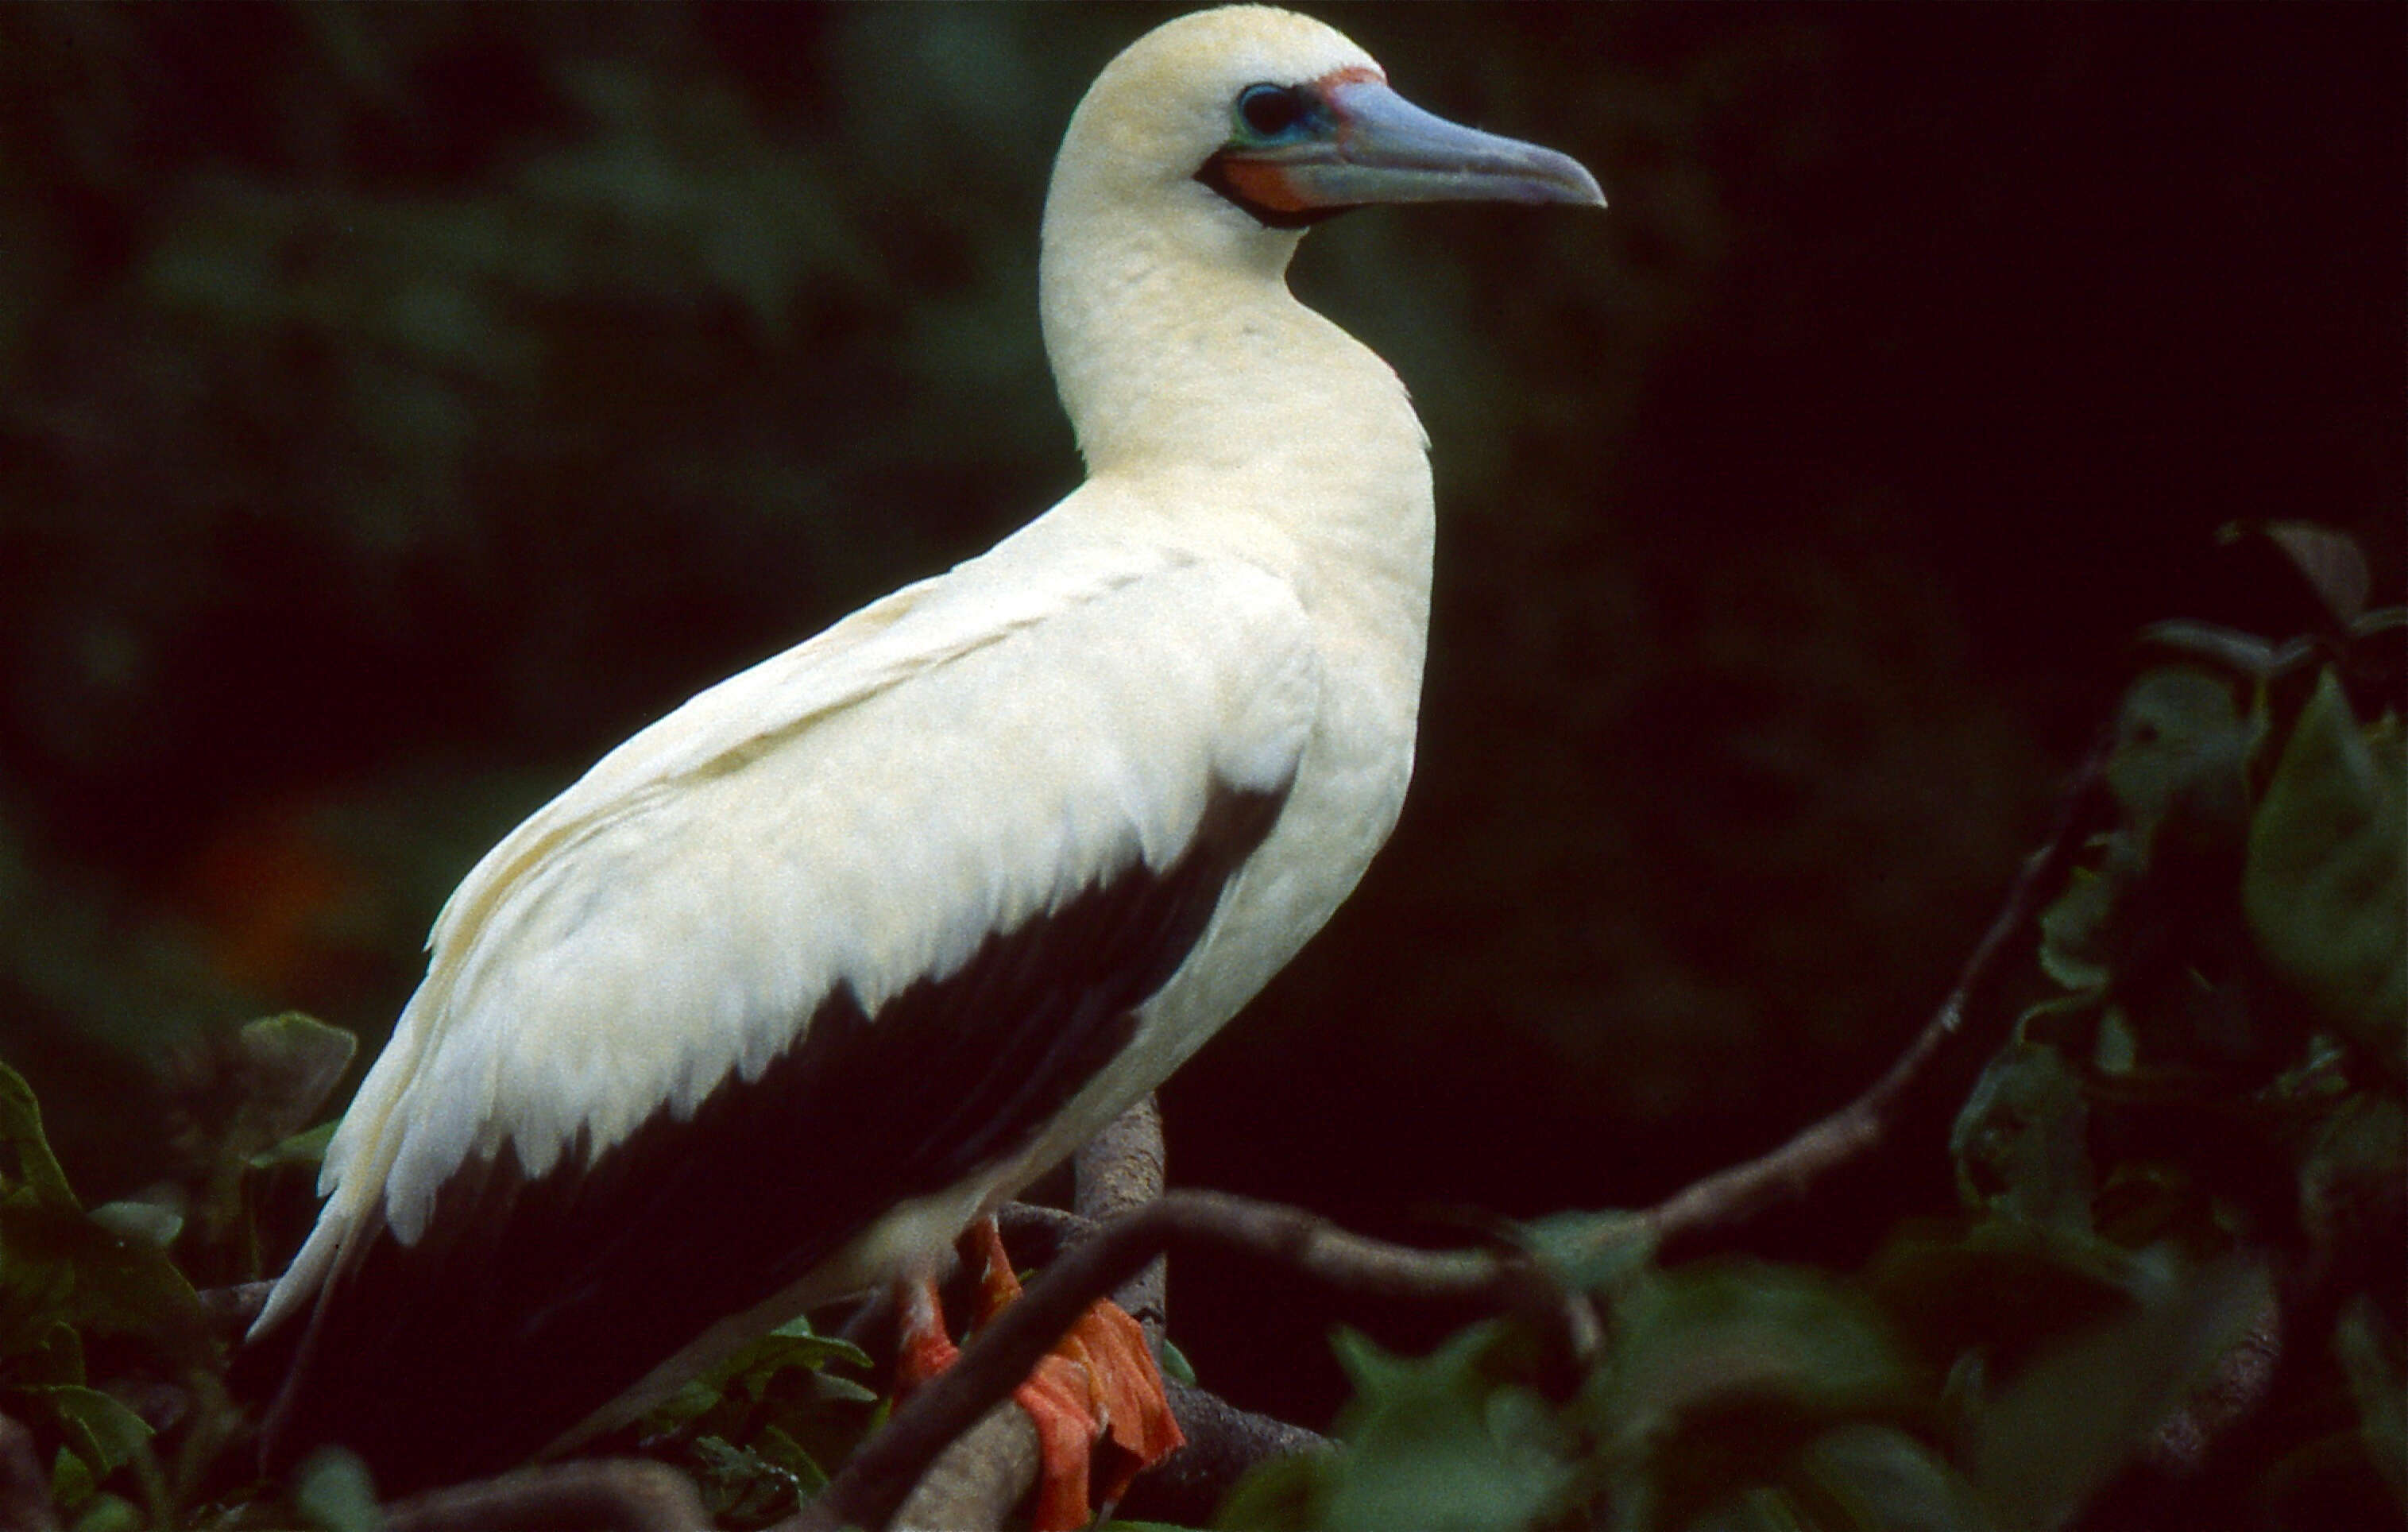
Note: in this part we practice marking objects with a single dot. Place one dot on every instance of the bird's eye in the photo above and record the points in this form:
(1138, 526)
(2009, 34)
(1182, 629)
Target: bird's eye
(1269, 111)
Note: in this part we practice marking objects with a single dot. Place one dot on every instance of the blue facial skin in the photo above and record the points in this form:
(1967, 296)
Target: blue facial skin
(1275, 114)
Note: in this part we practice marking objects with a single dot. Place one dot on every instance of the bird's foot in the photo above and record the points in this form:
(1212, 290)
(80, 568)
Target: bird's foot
(922, 1350)
(1096, 1398)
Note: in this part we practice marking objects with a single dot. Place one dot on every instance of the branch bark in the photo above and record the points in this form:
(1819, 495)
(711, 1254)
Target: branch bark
(977, 1480)
(1223, 1442)
(592, 1494)
(1119, 1171)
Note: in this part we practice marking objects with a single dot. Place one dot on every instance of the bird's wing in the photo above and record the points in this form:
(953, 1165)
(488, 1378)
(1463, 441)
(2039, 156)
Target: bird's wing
(941, 852)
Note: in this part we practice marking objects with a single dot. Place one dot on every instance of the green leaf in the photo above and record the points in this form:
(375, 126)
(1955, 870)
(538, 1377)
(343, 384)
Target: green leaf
(1589, 1251)
(1758, 1508)
(2351, 1172)
(148, 1221)
(58, 1358)
(1438, 1442)
(2244, 654)
(783, 1453)
(2070, 930)
(1867, 1478)
(2057, 1431)
(291, 1064)
(1717, 1375)
(2326, 891)
(285, 1066)
(2114, 1051)
(837, 1387)
(1281, 1496)
(745, 1487)
(104, 1433)
(333, 1492)
(71, 1479)
(1707, 1334)
(1175, 1364)
(2005, 1288)
(2022, 1140)
(21, 1127)
(2379, 1382)
(110, 1513)
(306, 1147)
(690, 1403)
(792, 1344)
(2183, 748)
(2331, 562)
(58, 1266)
(760, 1425)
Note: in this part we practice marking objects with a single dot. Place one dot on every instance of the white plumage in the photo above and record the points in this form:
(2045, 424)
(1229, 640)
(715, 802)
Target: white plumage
(1234, 603)
(1025, 779)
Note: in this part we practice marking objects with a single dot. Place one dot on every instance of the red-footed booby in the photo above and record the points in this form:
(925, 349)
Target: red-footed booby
(801, 981)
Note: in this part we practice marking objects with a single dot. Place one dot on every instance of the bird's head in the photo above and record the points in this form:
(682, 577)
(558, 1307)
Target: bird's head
(1187, 176)
(1255, 113)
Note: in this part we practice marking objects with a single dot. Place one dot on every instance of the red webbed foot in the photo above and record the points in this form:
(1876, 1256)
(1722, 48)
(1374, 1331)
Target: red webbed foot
(1096, 1398)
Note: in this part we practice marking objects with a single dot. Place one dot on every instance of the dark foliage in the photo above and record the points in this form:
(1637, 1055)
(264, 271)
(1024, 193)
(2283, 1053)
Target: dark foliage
(2172, 1291)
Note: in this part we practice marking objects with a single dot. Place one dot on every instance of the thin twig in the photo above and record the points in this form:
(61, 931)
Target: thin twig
(1037, 1234)
(595, 1494)
(1741, 1192)
(232, 1309)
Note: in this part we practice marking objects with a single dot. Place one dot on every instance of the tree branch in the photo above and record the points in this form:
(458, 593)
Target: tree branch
(1037, 1234)
(592, 1495)
(979, 1477)
(1741, 1192)
(1117, 1172)
(1224, 1443)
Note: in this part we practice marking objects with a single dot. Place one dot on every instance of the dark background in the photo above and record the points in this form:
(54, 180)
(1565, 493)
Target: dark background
(400, 406)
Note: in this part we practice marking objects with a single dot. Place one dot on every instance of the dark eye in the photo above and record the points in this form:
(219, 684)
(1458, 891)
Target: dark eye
(1270, 110)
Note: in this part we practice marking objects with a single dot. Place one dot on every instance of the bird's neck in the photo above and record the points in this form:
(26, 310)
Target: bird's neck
(1208, 373)
(1172, 334)
(1220, 415)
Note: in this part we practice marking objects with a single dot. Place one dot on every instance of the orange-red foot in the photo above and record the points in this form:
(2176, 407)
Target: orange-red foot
(922, 1347)
(1096, 1399)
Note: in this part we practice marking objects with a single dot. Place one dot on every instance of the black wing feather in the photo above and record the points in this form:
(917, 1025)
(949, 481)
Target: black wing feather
(530, 1303)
